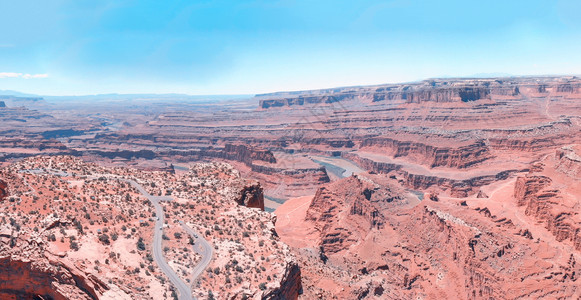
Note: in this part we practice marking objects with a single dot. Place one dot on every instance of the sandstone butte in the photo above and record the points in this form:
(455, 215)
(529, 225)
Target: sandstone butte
(439, 189)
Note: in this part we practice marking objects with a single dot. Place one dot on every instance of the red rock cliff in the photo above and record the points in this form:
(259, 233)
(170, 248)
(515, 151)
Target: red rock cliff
(435, 250)
(247, 154)
(568, 161)
(3, 189)
(290, 284)
(352, 202)
(432, 156)
(23, 278)
(544, 204)
(251, 195)
(457, 188)
(527, 187)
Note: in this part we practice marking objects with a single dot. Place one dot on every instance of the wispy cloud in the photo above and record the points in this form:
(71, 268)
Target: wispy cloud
(29, 76)
(10, 75)
(21, 75)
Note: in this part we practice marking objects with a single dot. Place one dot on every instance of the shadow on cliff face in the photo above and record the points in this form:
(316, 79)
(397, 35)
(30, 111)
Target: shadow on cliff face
(3, 190)
(251, 195)
(26, 279)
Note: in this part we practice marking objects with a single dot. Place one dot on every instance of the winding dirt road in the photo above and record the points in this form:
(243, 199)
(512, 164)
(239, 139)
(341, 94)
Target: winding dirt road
(184, 291)
(203, 248)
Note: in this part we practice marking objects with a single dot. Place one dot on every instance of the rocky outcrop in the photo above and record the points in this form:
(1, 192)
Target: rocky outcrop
(314, 175)
(302, 100)
(433, 156)
(435, 250)
(418, 93)
(247, 154)
(290, 284)
(428, 91)
(471, 248)
(527, 187)
(3, 190)
(524, 145)
(481, 195)
(564, 228)
(447, 94)
(372, 165)
(21, 278)
(288, 182)
(265, 169)
(251, 195)
(340, 205)
(543, 203)
(569, 88)
(508, 90)
(241, 153)
(568, 161)
(456, 187)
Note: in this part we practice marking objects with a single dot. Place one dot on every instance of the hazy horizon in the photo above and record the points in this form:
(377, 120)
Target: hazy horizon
(15, 93)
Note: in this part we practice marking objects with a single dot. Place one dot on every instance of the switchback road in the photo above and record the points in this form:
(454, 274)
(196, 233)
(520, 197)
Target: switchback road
(202, 247)
(184, 291)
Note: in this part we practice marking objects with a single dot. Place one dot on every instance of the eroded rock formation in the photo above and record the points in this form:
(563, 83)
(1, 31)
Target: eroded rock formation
(431, 155)
(433, 90)
(568, 161)
(290, 285)
(429, 250)
(37, 276)
(3, 190)
(360, 205)
(527, 187)
(456, 187)
(428, 91)
(302, 100)
(548, 200)
(251, 195)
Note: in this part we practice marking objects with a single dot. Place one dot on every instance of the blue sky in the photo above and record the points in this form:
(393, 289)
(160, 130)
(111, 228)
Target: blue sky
(61, 47)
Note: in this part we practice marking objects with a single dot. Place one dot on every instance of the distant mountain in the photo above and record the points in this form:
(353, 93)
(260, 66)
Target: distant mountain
(105, 98)
(16, 93)
(115, 96)
(491, 75)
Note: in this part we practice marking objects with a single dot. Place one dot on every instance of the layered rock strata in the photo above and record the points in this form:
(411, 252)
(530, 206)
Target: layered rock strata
(429, 250)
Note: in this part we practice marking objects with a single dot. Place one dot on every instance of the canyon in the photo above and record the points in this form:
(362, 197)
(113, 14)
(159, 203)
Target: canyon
(376, 240)
(76, 230)
(450, 188)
